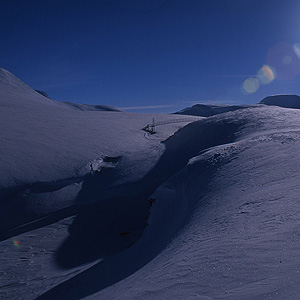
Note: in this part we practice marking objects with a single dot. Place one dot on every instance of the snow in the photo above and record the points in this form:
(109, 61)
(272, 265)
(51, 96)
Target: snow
(289, 101)
(222, 223)
(50, 145)
(92, 107)
(203, 110)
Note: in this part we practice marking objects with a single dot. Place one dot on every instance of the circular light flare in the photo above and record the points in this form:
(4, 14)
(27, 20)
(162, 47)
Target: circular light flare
(250, 85)
(283, 57)
(266, 74)
(286, 60)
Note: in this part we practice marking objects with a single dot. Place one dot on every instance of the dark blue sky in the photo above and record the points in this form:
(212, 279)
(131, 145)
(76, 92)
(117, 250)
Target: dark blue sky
(164, 53)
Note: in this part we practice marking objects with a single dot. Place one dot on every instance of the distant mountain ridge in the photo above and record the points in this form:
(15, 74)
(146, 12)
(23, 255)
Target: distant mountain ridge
(288, 101)
(203, 110)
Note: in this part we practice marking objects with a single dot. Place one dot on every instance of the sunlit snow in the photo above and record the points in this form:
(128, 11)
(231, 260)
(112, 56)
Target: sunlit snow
(94, 207)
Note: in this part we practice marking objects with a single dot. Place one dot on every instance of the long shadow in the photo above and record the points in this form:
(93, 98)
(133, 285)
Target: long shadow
(103, 229)
(185, 144)
(15, 219)
(95, 231)
(38, 223)
(121, 265)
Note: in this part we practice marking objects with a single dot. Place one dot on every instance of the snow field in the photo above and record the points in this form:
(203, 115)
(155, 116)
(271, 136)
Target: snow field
(74, 189)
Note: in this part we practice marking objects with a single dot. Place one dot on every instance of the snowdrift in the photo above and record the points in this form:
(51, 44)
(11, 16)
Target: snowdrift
(92, 207)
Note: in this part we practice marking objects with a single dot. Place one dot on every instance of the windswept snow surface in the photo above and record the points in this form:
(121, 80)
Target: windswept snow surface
(224, 209)
(92, 107)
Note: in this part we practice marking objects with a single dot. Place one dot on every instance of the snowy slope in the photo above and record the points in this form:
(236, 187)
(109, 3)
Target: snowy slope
(92, 107)
(56, 160)
(225, 227)
(49, 149)
(223, 223)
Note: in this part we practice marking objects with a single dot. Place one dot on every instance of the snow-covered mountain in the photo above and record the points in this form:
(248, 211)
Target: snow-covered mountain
(93, 207)
(204, 110)
(288, 101)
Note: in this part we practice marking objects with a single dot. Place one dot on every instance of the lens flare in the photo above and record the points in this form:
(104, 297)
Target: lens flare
(283, 63)
(16, 243)
(250, 85)
(296, 48)
(284, 58)
(266, 74)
